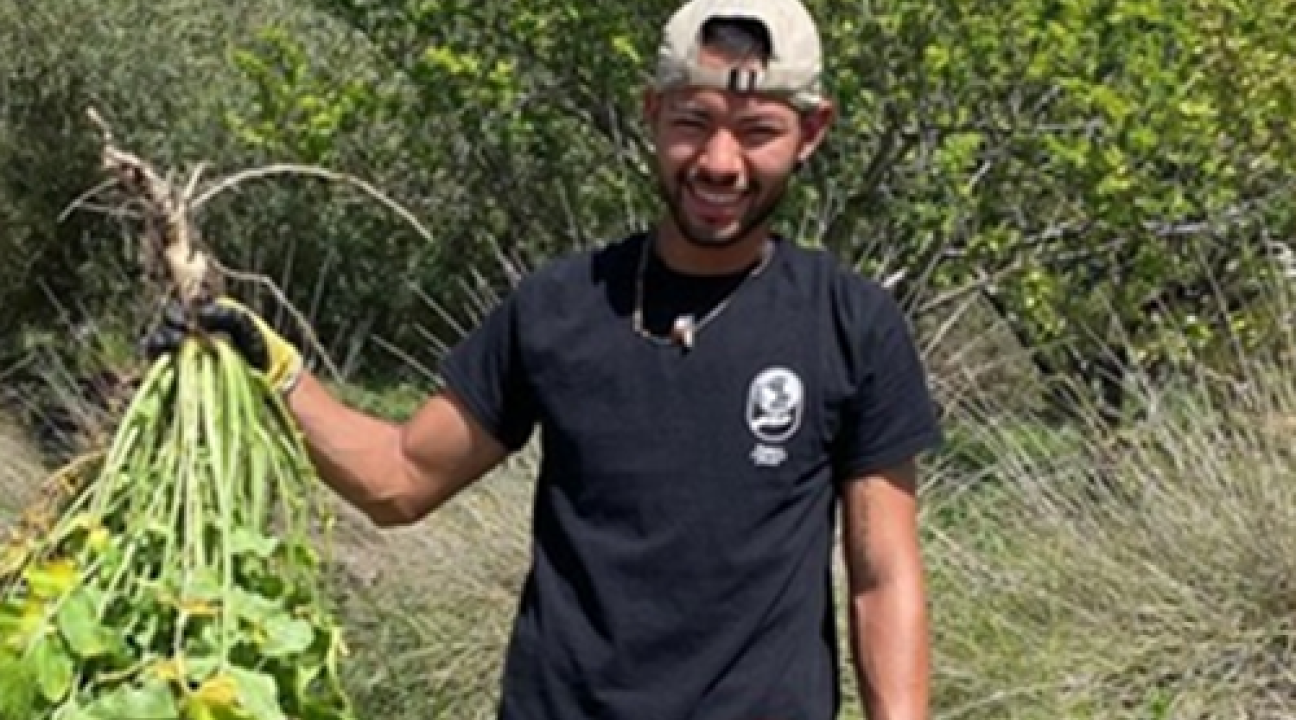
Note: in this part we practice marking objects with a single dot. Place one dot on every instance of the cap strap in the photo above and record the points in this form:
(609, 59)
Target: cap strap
(746, 80)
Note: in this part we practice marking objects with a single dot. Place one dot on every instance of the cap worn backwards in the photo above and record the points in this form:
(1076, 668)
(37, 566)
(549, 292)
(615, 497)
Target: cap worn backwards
(795, 66)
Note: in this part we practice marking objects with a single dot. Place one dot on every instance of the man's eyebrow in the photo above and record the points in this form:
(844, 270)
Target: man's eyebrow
(751, 116)
(763, 117)
(756, 117)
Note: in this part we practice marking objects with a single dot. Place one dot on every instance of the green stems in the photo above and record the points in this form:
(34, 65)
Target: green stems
(182, 581)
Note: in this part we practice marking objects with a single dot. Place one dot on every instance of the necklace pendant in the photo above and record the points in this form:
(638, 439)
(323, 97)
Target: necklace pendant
(682, 331)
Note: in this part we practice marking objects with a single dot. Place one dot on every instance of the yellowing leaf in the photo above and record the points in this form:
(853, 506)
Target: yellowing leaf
(13, 556)
(167, 670)
(52, 578)
(19, 620)
(98, 539)
(33, 614)
(84, 521)
(197, 608)
(218, 692)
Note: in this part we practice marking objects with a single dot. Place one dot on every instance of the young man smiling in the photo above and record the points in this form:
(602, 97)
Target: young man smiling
(708, 396)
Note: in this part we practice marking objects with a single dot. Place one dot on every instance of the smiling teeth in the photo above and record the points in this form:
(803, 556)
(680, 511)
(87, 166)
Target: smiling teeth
(718, 198)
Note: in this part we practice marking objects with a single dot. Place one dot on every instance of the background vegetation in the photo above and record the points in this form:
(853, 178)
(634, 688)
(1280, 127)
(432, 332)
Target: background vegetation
(1085, 205)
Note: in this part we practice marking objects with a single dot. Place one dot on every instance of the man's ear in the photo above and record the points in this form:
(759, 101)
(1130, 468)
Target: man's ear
(814, 128)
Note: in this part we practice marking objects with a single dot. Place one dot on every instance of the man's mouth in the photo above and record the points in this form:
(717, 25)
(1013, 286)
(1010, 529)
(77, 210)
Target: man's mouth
(717, 197)
(715, 203)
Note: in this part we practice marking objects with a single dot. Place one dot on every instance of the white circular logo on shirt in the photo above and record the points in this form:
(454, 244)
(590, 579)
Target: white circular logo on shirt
(774, 404)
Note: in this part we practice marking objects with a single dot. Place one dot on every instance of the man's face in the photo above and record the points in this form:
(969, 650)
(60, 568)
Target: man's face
(724, 159)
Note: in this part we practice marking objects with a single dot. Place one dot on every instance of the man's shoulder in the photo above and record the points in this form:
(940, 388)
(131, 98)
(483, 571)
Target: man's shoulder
(591, 266)
(825, 270)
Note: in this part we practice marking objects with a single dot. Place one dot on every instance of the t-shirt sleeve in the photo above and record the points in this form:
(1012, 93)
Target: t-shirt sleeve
(890, 417)
(486, 370)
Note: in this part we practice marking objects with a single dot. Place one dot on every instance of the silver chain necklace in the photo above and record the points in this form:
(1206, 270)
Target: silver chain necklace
(685, 328)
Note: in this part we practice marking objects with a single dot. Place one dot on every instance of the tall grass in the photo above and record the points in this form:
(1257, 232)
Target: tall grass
(1144, 573)
(429, 608)
(20, 468)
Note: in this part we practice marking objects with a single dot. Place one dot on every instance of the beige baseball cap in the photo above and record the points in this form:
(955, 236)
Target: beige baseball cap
(795, 67)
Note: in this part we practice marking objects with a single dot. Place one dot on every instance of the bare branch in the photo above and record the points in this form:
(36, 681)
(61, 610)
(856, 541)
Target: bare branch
(233, 181)
(82, 201)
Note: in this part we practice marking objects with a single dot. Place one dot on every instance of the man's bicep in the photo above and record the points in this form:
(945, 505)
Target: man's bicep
(446, 448)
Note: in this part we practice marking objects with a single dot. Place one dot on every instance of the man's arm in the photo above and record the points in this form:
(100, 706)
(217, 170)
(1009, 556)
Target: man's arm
(887, 596)
(395, 474)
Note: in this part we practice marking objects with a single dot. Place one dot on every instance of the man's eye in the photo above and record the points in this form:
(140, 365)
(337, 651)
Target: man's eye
(760, 134)
(690, 123)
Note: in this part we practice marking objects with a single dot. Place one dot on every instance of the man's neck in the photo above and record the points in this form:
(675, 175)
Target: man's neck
(688, 258)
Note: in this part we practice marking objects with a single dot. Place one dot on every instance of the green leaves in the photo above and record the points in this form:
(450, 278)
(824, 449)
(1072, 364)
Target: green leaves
(1092, 158)
(258, 694)
(286, 636)
(151, 700)
(186, 595)
(19, 686)
(53, 668)
(78, 621)
(299, 114)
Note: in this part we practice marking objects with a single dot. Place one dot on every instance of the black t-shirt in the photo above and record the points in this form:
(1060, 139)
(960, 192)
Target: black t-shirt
(684, 514)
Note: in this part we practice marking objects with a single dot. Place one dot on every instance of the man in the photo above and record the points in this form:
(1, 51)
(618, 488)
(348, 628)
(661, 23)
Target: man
(707, 395)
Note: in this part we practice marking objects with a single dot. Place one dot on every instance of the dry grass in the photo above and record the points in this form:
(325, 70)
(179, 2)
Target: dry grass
(1147, 576)
(429, 608)
(21, 468)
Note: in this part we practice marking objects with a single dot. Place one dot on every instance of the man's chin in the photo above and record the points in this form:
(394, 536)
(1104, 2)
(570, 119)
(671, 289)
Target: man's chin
(710, 237)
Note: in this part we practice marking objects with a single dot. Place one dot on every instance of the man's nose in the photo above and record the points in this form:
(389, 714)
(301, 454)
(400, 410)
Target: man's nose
(721, 160)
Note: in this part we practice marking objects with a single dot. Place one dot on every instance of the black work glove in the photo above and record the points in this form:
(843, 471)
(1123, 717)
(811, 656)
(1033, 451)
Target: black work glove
(262, 348)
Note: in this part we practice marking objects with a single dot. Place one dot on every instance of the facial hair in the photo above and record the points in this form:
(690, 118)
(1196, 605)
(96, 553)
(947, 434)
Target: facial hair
(762, 207)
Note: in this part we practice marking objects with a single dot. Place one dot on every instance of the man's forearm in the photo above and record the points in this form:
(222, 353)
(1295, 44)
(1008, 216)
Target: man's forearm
(357, 455)
(889, 638)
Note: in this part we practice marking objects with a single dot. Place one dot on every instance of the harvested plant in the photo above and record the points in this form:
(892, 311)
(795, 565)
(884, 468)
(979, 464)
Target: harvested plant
(172, 575)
